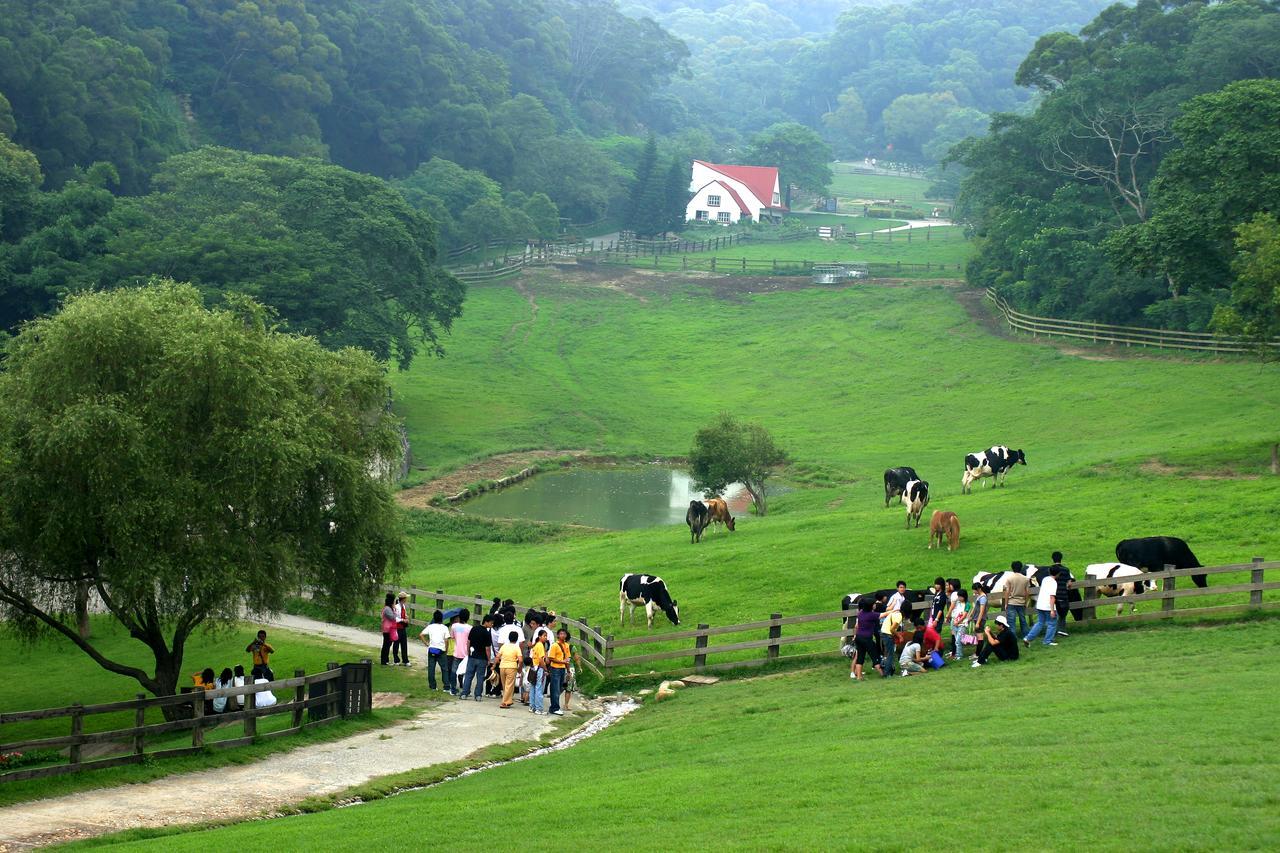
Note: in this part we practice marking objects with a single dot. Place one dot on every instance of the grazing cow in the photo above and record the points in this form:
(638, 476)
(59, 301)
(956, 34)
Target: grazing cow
(915, 497)
(719, 511)
(895, 480)
(992, 583)
(944, 523)
(648, 592)
(1153, 553)
(994, 462)
(697, 517)
(1100, 571)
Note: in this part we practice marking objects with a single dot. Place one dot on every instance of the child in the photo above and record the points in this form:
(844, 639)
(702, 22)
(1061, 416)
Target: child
(959, 617)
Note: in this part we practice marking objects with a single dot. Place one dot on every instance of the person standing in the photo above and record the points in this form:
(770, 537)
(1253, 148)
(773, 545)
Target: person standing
(538, 673)
(1067, 591)
(479, 655)
(1004, 643)
(978, 620)
(402, 626)
(959, 618)
(509, 661)
(390, 635)
(864, 641)
(261, 651)
(938, 605)
(559, 656)
(436, 637)
(899, 598)
(460, 631)
(1014, 597)
(888, 639)
(1046, 611)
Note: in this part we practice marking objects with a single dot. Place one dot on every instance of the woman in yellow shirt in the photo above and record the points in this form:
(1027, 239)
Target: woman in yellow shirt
(509, 661)
(558, 658)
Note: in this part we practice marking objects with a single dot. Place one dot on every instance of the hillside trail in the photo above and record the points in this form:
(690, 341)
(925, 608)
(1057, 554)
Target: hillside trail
(447, 732)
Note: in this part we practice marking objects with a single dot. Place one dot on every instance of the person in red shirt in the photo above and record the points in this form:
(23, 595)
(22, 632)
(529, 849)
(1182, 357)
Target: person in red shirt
(932, 641)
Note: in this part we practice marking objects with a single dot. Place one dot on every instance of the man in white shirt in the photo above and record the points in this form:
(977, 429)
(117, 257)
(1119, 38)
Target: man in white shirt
(898, 599)
(1046, 610)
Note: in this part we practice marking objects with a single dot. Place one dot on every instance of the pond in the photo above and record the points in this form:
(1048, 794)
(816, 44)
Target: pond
(615, 498)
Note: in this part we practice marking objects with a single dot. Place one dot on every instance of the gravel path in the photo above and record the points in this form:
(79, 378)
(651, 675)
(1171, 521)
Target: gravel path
(445, 733)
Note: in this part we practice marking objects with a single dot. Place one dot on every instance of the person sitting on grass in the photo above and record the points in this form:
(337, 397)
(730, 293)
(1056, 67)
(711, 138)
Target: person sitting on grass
(204, 680)
(226, 679)
(1004, 643)
(913, 657)
(864, 641)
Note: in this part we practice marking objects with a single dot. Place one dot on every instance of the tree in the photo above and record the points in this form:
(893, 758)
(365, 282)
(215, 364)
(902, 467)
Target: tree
(728, 451)
(912, 120)
(1254, 310)
(801, 156)
(676, 193)
(185, 463)
(847, 123)
(644, 210)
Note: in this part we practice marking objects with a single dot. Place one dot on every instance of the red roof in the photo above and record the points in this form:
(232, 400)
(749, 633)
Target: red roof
(759, 179)
(742, 205)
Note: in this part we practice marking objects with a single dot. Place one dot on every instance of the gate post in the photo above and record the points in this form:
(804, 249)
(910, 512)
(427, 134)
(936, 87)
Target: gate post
(1169, 584)
(1255, 577)
(700, 642)
(775, 632)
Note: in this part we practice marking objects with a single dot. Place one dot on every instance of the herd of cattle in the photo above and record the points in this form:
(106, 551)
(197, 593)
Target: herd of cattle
(1133, 556)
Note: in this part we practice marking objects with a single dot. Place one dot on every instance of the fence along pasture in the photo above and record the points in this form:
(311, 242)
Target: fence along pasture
(610, 655)
(351, 694)
(1127, 335)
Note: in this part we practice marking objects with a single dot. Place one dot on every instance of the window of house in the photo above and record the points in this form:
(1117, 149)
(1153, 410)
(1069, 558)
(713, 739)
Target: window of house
(701, 216)
(713, 201)
(722, 216)
(777, 199)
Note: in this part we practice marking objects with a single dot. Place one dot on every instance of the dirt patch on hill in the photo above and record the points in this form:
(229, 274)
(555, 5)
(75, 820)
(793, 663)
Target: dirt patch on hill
(493, 468)
(1155, 466)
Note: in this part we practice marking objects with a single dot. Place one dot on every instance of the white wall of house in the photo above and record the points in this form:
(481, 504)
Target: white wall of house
(702, 175)
(712, 203)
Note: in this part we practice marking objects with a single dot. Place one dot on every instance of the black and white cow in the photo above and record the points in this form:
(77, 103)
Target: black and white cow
(1065, 579)
(1153, 553)
(915, 497)
(697, 516)
(895, 480)
(648, 592)
(994, 462)
(992, 582)
(910, 610)
(1118, 571)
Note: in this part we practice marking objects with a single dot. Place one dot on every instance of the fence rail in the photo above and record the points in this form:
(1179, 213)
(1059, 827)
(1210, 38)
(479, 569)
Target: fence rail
(329, 701)
(769, 636)
(1127, 335)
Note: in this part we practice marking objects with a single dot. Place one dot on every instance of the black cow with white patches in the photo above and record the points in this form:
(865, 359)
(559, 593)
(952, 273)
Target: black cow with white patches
(994, 462)
(1153, 553)
(697, 516)
(915, 497)
(895, 480)
(648, 592)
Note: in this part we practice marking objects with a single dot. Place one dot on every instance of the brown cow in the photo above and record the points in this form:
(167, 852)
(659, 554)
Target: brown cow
(719, 510)
(944, 523)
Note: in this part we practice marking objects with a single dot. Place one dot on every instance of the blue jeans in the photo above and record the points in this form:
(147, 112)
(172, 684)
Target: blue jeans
(437, 659)
(451, 674)
(475, 670)
(536, 686)
(888, 648)
(1046, 621)
(957, 632)
(1017, 616)
(557, 687)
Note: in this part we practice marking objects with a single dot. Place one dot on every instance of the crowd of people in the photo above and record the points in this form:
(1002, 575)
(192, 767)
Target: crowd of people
(885, 633)
(501, 657)
(259, 651)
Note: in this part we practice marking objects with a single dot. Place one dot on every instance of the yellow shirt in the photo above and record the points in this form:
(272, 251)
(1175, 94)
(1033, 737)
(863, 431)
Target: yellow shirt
(891, 622)
(509, 656)
(537, 654)
(558, 655)
(261, 654)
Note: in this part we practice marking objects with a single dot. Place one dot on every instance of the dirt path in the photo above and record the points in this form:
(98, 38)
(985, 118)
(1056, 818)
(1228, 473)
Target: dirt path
(449, 732)
(492, 468)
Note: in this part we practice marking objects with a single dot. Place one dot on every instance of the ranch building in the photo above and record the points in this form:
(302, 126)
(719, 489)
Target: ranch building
(729, 194)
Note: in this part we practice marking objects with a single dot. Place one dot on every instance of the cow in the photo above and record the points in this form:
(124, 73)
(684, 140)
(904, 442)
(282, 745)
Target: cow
(697, 517)
(648, 592)
(915, 497)
(944, 523)
(1107, 571)
(895, 480)
(994, 462)
(719, 511)
(1065, 579)
(992, 583)
(849, 603)
(1153, 553)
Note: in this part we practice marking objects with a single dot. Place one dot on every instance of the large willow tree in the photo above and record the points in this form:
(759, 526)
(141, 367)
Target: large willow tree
(180, 464)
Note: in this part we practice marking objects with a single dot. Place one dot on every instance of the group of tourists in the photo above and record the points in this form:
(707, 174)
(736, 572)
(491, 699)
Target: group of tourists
(884, 632)
(502, 657)
(259, 651)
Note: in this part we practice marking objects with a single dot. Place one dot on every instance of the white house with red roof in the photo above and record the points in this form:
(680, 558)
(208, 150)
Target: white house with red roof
(728, 194)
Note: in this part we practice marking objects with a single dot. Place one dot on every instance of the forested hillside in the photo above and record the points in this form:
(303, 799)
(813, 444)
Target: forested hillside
(1144, 186)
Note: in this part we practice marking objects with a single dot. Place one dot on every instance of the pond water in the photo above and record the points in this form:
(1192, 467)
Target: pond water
(615, 498)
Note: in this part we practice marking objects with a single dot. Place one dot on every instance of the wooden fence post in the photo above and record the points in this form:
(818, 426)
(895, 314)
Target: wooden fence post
(77, 728)
(1090, 596)
(1255, 577)
(596, 643)
(413, 605)
(608, 655)
(139, 720)
(700, 642)
(480, 610)
(197, 714)
(1169, 585)
(775, 632)
(299, 697)
(250, 721)
(439, 600)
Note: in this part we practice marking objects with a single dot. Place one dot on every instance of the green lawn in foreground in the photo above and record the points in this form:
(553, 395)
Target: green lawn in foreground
(52, 674)
(1158, 738)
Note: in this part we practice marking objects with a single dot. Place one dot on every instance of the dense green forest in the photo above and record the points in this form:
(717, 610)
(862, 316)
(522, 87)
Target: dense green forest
(1144, 186)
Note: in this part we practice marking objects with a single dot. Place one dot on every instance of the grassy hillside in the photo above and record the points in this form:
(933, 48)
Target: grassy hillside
(1114, 741)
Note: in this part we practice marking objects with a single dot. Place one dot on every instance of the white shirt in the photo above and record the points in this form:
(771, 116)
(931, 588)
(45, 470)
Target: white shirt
(1048, 588)
(220, 703)
(895, 602)
(909, 652)
(263, 698)
(543, 632)
(238, 681)
(505, 631)
(437, 634)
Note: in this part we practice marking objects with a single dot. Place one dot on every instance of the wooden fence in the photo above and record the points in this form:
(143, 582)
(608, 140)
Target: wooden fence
(1128, 335)
(777, 266)
(341, 691)
(766, 637)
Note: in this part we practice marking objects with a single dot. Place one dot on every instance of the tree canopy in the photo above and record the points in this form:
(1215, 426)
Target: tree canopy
(184, 463)
(728, 451)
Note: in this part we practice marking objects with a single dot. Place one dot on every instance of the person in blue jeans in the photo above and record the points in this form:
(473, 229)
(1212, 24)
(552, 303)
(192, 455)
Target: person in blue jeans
(1046, 611)
(480, 642)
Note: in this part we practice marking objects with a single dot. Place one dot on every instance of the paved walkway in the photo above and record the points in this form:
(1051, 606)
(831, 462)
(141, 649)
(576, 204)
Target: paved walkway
(445, 733)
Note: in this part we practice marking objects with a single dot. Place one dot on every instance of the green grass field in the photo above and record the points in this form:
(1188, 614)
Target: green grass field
(1116, 741)
(850, 223)
(848, 184)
